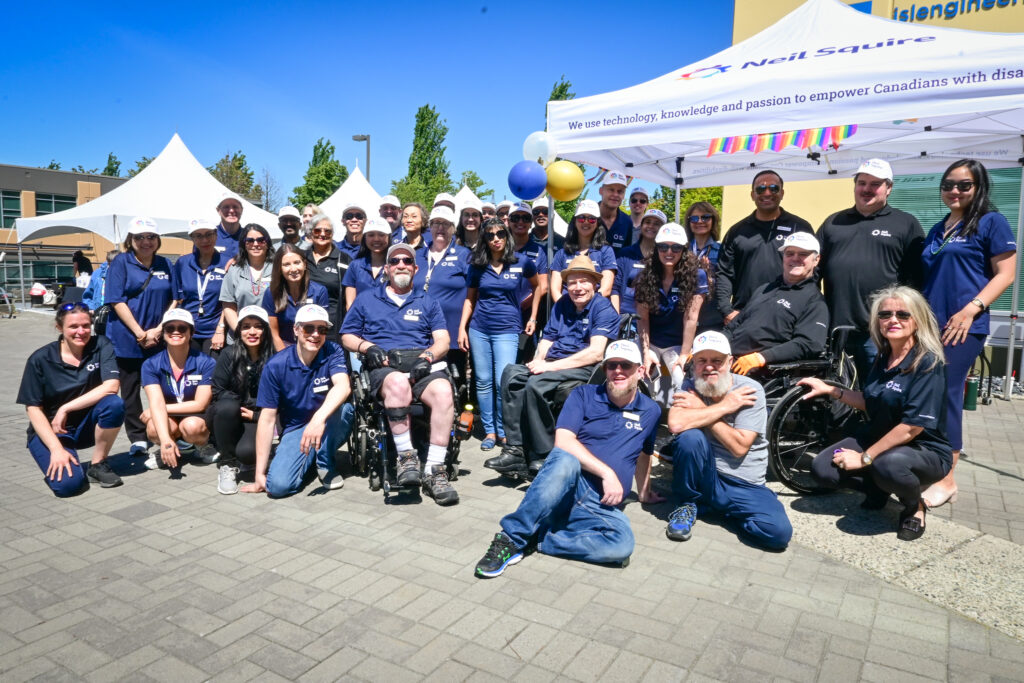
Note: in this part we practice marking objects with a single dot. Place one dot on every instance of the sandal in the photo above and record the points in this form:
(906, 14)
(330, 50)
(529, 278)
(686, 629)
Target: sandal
(488, 443)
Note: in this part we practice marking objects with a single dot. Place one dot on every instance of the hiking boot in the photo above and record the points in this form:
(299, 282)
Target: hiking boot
(329, 479)
(511, 459)
(408, 469)
(500, 555)
(101, 473)
(681, 521)
(227, 480)
(207, 453)
(154, 461)
(437, 486)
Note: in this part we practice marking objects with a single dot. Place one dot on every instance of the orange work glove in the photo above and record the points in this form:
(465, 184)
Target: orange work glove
(744, 364)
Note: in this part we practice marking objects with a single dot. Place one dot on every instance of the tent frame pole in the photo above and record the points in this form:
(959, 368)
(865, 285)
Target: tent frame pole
(679, 185)
(21, 274)
(1014, 297)
(551, 247)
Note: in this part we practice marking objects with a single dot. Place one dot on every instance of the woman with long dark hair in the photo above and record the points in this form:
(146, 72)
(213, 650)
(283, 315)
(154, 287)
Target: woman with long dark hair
(703, 229)
(970, 258)
(491, 320)
(368, 269)
(249, 277)
(632, 261)
(290, 289)
(586, 236)
(233, 415)
(467, 232)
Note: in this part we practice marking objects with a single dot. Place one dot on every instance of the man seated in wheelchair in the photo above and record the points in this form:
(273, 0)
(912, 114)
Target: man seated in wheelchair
(785, 320)
(720, 454)
(400, 333)
(580, 326)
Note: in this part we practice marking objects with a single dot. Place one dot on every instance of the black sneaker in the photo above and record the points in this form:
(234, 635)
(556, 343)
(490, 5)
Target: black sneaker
(500, 555)
(437, 486)
(101, 473)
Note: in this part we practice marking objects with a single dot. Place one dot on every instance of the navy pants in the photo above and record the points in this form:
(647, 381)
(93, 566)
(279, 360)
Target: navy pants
(107, 413)
(959, 360)
(696, 479)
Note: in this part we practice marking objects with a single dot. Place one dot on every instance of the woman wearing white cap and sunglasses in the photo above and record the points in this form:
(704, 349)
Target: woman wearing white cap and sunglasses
(200, 275)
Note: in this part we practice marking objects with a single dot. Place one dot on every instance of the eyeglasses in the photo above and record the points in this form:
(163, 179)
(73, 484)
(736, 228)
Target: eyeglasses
(74, 305)
(664, 248)
(902, 316)
(773, 188)
(315, 329)
(962, 185)
(494, 236)
(520, 218)
(404, 260)
(231, 208)
(616, 365)
(146, 236)
(322, 232)
(356, 216)
(701, 219)
(255, 240)
(586, 219)
(638, 200)
(176, 329)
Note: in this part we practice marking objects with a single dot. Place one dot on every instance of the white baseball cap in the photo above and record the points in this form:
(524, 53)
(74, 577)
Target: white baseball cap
(711, 341)
(354, 205)
(441, 213)
(506, 203)
(639, 190)
(520, 207)
(486, 205)
(671, 232)
(311, 313)
(142, 224)
(254, 312)
(390, 200)
(228, 195)
(179, 315)
(471, 203)
(289, 212)
(588, 207)
(444, 197)
(197, 224)
(376, 224)
(655, 213)
(614, 178)
(876, 167)
(540, 204)
(623, 349)
(801, 240)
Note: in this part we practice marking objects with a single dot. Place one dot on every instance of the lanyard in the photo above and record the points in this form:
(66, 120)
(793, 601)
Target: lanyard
(201, 283)
(178, 388)
(431, 264)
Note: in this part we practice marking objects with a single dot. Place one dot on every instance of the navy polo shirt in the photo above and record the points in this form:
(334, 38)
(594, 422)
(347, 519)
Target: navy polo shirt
(124, 285)
(620, 232)
(543, 243)
(603, 258)
(628, 266)
(360, 275)
(955, 273)
(315, 294)
(615, 435)
(398, 236)
(498, 295)
(379, 320)
(198, 372)
(48, 382)
(192, 279)
(666, 319)
(903, 396)
(296, 390)
(227, 244)
(570, 331)
(538, 254)
(445, 283)
(346, 248)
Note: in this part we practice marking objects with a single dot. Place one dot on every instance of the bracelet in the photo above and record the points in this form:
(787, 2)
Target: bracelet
(532, 320)
(429, 353)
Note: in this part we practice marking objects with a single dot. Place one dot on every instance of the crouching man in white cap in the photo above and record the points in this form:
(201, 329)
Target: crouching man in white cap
(720, 454)
(604, 438)
(306, 385)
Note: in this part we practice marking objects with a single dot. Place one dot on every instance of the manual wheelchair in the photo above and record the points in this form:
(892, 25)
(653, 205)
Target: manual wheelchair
(371, 448)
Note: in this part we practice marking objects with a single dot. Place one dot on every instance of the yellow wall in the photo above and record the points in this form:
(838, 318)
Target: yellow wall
(812, 200)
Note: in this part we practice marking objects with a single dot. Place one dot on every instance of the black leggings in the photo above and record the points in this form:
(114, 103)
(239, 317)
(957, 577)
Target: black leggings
(130, 375)
(904, 471)
(235, 438)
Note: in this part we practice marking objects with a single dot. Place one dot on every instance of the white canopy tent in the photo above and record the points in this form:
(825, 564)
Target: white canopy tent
(172, 190)
(813, 96)
(355, 190)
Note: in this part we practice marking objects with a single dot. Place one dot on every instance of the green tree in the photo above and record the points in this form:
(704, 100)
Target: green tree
(139, 165)
(428, 169)
(475, 183)
(82, 169)
(54, 165)
(232, 170)
(664, 199)
(561, 91)
(113, 167)
(323, 177)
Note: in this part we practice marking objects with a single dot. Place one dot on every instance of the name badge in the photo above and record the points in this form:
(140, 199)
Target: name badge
(220, 249)
(454, 257)
(411, 317)
(266, 279)
(783, 228)
(219, 270)
(196, 378)
(631, 416)
(515, 270)
(639, 266)
(320, 389)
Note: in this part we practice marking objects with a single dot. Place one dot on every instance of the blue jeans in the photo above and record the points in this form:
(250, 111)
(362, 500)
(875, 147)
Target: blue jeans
(696, 479)
(284, 476)
(565, 512)
(959, 360)
(491, 353)
(108, 413)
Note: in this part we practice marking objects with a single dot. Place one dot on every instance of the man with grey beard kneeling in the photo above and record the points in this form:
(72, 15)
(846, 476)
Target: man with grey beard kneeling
(720, 455)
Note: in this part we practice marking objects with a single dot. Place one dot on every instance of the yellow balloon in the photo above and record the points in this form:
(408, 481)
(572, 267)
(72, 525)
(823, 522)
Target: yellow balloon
(565, 180)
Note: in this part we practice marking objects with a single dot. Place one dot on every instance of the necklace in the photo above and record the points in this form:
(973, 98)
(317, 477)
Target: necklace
(949, 237)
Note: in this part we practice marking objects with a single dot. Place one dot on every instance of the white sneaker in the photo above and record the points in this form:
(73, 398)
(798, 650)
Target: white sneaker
(331, 481)
(227, 480)
(207, 454)
(154, 461)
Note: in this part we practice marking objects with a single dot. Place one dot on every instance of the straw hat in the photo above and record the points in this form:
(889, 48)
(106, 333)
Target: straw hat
(581, 264)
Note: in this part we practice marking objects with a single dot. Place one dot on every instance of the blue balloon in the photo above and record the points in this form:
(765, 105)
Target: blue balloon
(527, 180)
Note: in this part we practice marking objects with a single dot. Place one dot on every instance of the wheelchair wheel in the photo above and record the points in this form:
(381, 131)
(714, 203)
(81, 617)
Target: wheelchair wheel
(357, 447)
(374, 479)
(799, 430)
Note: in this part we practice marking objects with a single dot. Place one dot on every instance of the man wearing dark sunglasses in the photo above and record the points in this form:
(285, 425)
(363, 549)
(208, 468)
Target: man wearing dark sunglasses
(541, 224)
(603, 441)
(749, 256)
(401, 333)
(863, 249)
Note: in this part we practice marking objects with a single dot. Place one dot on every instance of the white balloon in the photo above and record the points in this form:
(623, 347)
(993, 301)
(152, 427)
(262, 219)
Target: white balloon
(539, 147)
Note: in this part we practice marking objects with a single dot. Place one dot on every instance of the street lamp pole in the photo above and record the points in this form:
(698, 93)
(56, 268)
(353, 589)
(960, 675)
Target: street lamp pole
(366, 138)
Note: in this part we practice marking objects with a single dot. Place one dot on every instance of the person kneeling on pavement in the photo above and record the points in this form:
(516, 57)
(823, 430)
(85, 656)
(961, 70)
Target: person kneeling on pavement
(575, 337)
(306, 385)
(401, 332)
(720, 455)
(605, 438)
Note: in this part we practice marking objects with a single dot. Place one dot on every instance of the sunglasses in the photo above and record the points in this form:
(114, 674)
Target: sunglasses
(176, 329)
(520, 218)
(322, 232)
(255, 240)
(404, 260)
(701, 219)
(75, 305)
(540, 212)
(962, 185)
(638, 200)
(356, 216)
(494, 236)
(144, 237)
(586, 219)
(900, 315)
(674, 248)
(310, 330)
(773, 188)
(616, 365)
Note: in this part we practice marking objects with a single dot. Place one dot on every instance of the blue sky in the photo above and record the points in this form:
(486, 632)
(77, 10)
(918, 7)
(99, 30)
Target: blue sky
(84, 79)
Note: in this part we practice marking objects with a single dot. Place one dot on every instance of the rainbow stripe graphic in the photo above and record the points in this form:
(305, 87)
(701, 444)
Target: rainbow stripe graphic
(819, 137)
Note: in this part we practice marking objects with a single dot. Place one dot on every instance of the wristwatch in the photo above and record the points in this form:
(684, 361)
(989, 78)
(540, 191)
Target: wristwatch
(865, 459)
(978, 302)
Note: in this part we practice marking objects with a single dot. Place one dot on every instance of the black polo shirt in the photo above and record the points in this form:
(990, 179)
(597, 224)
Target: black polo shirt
(48, 382)
(861, 254)
(750, 257)
(782, 322)
(329, 272)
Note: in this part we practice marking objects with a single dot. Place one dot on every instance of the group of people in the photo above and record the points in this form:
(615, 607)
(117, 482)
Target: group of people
(244, 340)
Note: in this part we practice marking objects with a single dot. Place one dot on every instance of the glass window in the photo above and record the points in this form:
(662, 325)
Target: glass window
(10, 207)
(52, 203)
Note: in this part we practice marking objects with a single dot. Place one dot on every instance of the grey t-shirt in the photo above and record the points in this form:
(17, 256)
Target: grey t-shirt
(751, 467)
(241, 289)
